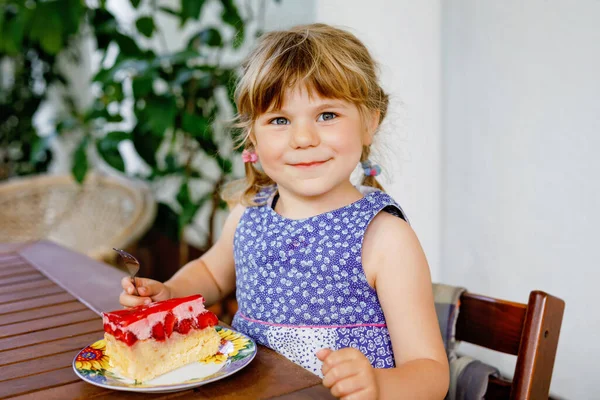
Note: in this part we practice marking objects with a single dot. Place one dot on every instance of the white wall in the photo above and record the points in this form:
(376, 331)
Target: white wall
(521, 124)
(404, 37)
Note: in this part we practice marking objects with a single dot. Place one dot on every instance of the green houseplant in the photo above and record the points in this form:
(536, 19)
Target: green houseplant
(32, 37)
(175, 104)
(174, 100)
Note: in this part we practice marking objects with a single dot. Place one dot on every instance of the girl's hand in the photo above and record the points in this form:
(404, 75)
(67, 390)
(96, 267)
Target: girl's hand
(348, 374)
(149, 290)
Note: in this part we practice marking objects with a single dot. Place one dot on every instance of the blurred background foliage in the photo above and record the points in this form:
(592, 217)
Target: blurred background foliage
(166, 106)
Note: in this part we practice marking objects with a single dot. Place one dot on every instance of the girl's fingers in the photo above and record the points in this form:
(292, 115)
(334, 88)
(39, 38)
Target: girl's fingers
(347, 386)
(340, 372)
(126, 284)
(363, 394)
(145, 288)
(335, 357)
(128, 300)
(323, 353)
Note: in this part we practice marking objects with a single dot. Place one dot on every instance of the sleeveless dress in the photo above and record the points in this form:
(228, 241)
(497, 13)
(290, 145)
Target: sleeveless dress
(301, 285)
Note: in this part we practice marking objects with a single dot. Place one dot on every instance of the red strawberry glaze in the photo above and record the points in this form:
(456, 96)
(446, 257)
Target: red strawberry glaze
(127, 316)
(116, 322)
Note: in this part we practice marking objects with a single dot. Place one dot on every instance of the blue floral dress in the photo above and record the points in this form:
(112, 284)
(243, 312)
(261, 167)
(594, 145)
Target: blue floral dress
(301, 285)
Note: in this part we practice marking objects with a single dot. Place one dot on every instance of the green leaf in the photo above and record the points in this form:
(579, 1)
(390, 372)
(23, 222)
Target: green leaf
(15, 29)
(112, 139)
(146, 26)
(52, 40)
(190, 9)
(80, 161)
(187, 215)
(223, 205)
(103, 75)
(114, 118)
(108, 148)
(128, 46)
(146, 144)
(135, 3)
(225, 164)
(72, 16)
(231, 16)
(207, 144)
(183, 197)
(209, 36)
(196, 125)
(229, 79)
(142, 86)
(171, 164)
(240, 36)
(158, 114)
(113, 92)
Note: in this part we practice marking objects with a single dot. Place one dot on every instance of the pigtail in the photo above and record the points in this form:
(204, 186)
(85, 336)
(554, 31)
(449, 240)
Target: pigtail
(370, 180)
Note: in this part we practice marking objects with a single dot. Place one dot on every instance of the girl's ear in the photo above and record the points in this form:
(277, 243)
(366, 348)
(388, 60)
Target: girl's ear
(372, 125)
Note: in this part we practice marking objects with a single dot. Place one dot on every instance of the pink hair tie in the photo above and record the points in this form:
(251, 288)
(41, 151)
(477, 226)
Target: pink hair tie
(249, 156)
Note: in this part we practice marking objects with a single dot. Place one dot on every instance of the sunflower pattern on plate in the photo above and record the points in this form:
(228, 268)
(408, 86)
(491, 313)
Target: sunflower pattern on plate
(92, 358)
(234, 346)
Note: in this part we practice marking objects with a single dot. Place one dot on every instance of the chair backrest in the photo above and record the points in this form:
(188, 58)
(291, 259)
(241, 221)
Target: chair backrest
(106, 211)
(529, 331)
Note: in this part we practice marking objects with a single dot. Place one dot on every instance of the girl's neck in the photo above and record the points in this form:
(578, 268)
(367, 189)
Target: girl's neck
(294, 206)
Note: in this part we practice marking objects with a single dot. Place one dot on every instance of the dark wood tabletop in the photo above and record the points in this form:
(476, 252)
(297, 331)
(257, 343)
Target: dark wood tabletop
(50, 304)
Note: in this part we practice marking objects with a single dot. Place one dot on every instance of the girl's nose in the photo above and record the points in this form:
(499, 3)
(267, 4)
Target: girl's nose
(304, 135)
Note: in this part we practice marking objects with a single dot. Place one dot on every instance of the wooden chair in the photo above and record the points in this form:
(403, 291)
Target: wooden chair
(529, 331)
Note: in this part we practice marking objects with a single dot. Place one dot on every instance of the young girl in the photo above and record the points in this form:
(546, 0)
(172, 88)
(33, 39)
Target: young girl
(328, 274)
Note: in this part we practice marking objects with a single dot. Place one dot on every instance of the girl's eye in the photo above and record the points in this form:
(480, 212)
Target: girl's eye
(327, 116)
(279, 121)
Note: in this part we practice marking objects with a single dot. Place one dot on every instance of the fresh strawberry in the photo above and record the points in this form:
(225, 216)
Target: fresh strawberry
(184, 326)
(130, 339)
(158, 331)
(207, 319)
(169, 324)
(118, 334)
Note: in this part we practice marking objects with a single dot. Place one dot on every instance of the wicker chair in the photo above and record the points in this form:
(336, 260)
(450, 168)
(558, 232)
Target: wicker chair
(92, 218)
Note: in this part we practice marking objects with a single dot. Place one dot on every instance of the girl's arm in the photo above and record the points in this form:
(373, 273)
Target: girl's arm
(213, 274)
(403, 283)
(396, 267)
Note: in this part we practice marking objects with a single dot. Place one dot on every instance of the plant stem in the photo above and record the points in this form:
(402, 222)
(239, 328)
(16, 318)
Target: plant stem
(215, 200)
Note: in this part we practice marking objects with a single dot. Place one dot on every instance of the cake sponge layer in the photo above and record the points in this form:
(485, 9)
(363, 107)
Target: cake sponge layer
(147, 359)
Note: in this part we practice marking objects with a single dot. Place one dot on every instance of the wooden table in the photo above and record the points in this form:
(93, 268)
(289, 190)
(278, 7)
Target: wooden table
(50, 301)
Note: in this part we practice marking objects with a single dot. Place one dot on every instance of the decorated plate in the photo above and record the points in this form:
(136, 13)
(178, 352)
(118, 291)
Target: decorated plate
(236, 351)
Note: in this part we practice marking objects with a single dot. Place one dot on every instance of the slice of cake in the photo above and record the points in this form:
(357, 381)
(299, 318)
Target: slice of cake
(149, 340)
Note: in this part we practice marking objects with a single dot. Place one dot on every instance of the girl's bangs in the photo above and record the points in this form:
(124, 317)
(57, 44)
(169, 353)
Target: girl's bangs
(306, 68)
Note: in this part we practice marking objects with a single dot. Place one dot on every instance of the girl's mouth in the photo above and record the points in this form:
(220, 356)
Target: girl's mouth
(309, 164)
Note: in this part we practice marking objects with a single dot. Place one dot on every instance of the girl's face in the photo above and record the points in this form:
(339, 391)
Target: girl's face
(312, 144)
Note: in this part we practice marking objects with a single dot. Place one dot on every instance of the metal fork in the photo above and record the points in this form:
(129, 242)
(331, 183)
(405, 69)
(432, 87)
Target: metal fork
(132, 265)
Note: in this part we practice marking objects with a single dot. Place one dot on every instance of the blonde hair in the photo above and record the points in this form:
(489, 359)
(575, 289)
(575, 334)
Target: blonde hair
(326, 60)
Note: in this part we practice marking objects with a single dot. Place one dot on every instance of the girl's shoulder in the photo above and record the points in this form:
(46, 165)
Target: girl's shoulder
(382, 201)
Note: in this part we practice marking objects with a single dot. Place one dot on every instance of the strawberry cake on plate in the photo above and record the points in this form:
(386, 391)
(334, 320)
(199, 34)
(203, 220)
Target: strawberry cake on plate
(149, 340)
